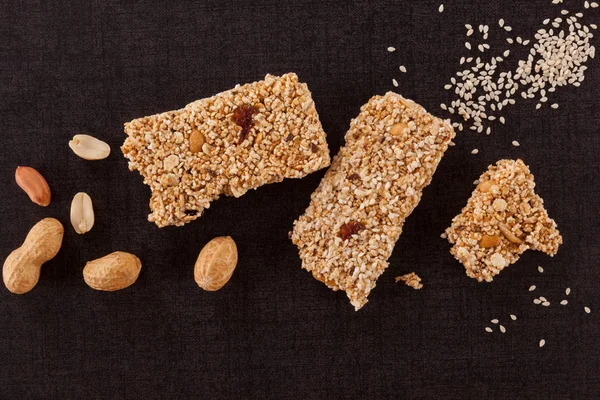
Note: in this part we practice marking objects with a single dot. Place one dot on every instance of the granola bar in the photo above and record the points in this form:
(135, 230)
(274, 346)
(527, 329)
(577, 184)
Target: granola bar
(356, 214)
(237, 140)
(502, 219)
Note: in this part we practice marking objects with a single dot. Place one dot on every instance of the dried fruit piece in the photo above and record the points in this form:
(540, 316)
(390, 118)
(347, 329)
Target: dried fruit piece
(349, 229)
(115, 271)
(489, 241)
(82, 213)
(243, 117)
(34, 184)
(196, 141)
(21, 270)
(508, 234)
(216, 263)
(89, 148)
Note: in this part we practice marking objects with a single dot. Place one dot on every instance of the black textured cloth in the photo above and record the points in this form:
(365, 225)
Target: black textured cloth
(69, 67)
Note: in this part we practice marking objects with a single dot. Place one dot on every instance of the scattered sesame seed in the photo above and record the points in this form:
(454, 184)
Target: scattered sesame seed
(564, 302)
(532, 288)
(468, 45)
(501, 22)
(586, 4)
(391, 49)
(443, 235)
(542, 298)
(502, 120)
(494, 321)
(513, 317)
(594, 5)
(395, 82)
(555, 106)
(488, 329)
(468, 26)
(502, 329)
(515, 143)
(537, 301)
(508, 28)
(568, 291)
(441, 9)
(546, 303)
(542, 343)
(587, 310)
(474, 151)
(540, 269)
(402, 68)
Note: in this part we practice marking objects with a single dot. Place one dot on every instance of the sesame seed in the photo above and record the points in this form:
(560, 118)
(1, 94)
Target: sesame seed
(488, 329)
(587, 310)
(546, 303)
(594, 5)
(537, 301)
(441, 9)
(395, 82)
(568, 291)
(564, 302)
(555, 106)
(474, 151)
(531, 288)
(515, 143)
(443, 106)
(402, 68)
(586, 4)
(542, 343)
(468, 26)
(508, 28)
(540, 269)
(501, 119)
(501, 22)
(391, 49)
(513, 317)
(502, 329)
(494, 321)
(443, 235)
(468, 45)
(542, 298)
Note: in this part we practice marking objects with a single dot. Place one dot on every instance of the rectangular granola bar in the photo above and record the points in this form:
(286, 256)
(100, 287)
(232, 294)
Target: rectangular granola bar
(237, 140)
(356, 214)
(502, 219)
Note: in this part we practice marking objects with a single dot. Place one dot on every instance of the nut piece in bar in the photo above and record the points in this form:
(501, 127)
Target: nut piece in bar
(355, 216)
(502, 219)
(237, 140)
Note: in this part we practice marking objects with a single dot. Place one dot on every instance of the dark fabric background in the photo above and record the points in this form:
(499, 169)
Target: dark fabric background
(70, 67)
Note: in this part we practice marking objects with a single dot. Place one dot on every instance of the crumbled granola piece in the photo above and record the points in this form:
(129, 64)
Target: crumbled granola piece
(506, 208)
(392, 150)
(411, 279)
(237, 140)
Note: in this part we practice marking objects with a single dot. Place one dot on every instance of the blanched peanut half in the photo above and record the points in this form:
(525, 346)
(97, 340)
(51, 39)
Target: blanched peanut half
(89, 148)
(82, 213)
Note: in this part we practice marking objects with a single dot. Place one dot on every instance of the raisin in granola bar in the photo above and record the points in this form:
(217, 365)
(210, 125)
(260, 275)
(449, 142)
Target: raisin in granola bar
(502, 219)
(356, 214)
(237, 140)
